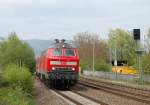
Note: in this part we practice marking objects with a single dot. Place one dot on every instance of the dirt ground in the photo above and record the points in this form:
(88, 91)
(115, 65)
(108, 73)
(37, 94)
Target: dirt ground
(45, 96)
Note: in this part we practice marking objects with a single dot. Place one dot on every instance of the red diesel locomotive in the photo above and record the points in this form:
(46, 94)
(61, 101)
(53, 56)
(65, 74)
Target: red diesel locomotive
(59, 65)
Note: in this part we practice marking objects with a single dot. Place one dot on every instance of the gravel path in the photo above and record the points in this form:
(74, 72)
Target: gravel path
(109, 98)
(45, 96)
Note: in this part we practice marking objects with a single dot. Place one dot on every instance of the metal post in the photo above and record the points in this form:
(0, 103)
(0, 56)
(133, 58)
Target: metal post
(115, 61)
(139, 53)
(110, 56)
(93, 55)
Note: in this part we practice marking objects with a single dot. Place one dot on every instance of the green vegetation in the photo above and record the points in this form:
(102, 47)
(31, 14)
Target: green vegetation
(124, 44)
(102, 66)
(146, 63)
(14, 96)
(104, 51)
(146, 56)
(85, 43)
(18, 77)
(16, 64)
(14, 50)
(16, 86)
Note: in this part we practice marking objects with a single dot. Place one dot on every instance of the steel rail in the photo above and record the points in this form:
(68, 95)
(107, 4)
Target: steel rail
(140, 98)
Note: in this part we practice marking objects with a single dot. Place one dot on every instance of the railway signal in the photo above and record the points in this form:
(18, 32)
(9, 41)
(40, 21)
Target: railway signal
(138, 51)
(136, 33)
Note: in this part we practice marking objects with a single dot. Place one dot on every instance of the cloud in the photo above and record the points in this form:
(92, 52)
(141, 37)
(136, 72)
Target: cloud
(38, 18)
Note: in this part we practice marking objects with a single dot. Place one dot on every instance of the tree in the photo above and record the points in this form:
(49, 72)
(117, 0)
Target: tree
(124, 44)
(146, 56)
(85, 42)
(13, 50)
(148, 39)
(146, 63)
(148, 34)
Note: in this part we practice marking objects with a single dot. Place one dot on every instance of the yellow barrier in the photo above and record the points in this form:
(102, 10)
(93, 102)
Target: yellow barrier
(124, 70)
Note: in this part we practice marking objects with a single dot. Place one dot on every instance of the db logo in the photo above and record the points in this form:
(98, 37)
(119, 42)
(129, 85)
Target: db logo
(63, 63)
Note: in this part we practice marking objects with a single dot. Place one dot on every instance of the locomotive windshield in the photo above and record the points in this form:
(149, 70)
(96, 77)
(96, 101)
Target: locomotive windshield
(57, 52)
(69, 52)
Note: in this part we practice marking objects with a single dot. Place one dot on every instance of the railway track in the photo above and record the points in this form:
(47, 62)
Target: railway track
(73, 97)
(145, 91)
(78, 99)
(112, 88)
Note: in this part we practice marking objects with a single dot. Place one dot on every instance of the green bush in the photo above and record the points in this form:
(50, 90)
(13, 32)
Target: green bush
(84, 65)
(15, 96)
(16, 76)
(101, 65)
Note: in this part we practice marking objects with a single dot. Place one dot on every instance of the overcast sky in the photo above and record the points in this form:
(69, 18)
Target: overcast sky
(46, 19)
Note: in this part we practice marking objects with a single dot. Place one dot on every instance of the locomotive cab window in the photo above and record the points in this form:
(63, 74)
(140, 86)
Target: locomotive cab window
(69, 52)
(57, 52)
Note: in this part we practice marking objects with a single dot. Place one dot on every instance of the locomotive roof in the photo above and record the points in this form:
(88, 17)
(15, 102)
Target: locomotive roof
(62, 45)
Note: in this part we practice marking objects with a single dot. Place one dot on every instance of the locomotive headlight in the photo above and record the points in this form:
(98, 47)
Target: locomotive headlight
(71, 63)
(55, 62)
(73, 69)
(53, 68)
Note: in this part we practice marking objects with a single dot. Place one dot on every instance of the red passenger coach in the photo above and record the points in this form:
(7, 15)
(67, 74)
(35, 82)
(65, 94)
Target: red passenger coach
(59, 64)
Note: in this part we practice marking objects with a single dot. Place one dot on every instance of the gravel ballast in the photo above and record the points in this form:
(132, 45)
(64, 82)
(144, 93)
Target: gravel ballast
(108, 98)
(45, 96)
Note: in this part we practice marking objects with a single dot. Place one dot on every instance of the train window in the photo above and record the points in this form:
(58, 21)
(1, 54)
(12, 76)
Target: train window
(56, 52)
(69, 52)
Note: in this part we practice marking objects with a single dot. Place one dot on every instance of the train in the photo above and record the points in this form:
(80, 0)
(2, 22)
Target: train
(58, 65)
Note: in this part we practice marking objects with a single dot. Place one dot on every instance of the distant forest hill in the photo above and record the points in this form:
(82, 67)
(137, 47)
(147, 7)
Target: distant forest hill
(40, 45)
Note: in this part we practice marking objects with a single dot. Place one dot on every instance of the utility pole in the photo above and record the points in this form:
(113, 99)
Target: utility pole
(110, 56)
(93, 55)
(115, 61)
